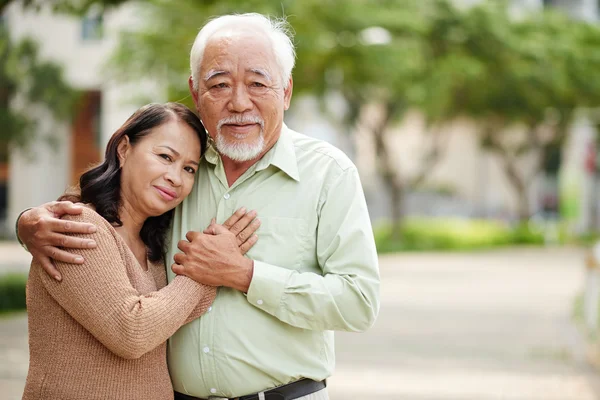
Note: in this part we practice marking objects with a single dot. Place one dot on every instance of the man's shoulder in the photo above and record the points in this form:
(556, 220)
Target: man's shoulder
(312, 150)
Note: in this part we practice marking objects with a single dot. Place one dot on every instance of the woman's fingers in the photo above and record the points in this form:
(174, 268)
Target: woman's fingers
(235, 217)
(248, 231)
(243, 223)
(247, 245)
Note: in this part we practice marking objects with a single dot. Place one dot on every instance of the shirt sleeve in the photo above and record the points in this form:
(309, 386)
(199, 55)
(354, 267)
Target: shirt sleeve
(99, 295)
(346, 295)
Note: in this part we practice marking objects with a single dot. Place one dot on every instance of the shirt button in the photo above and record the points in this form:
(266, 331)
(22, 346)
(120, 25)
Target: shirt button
(226, 196)
(213, 390)
(206, 349)
(259, 302)
(210, 309)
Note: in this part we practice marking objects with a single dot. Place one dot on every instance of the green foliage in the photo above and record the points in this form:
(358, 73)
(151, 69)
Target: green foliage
(26, 82)
(530, 72)
(12, 292)
(454, 234)
(66, 6)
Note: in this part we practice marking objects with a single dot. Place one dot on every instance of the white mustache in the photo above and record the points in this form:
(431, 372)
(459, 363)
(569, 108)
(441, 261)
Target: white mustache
(240, 119)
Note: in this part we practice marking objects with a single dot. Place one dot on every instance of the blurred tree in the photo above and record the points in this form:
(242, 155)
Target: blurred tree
(383, 57)
(386, 57)
(25, 82)
(67, 6)
(534, 74)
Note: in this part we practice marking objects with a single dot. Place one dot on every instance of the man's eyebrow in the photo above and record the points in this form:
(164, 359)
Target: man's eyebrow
(214, 72)
(262, 72)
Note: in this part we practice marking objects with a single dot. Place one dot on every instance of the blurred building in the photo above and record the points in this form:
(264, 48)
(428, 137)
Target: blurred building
(466, 182)
(82, 46)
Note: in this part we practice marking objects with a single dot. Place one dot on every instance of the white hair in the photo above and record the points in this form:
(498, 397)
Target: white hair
(276, 29)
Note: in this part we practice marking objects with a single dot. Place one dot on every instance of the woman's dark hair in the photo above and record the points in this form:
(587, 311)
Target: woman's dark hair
(101, 185)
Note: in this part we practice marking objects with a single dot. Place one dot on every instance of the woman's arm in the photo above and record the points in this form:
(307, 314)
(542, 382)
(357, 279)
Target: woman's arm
(99, 295)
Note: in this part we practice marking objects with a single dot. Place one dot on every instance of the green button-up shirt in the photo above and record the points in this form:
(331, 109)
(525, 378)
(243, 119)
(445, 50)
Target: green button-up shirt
(315, 271)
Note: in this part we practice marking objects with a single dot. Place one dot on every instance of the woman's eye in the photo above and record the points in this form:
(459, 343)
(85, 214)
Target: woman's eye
(190, 170)
(166, 157)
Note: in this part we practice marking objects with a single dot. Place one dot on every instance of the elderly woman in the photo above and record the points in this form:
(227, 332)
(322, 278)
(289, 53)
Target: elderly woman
(100, 333)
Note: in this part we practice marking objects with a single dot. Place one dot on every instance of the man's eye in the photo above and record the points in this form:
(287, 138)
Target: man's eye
(221, 85)
(258, 84)
(190, 170)
(166, 157)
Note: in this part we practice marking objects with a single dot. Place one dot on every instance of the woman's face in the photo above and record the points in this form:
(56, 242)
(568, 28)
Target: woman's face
(158, 171)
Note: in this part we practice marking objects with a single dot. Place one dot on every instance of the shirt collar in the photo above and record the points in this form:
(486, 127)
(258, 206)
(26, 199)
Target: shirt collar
(282, 155)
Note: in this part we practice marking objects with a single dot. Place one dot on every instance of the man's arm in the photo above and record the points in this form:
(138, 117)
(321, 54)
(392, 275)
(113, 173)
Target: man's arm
(44, 234)
(346, 295)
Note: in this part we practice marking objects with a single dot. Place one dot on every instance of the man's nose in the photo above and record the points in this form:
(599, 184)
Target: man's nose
(240, 100)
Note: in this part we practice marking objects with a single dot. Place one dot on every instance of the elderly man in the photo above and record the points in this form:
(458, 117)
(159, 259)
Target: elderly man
(269, 333)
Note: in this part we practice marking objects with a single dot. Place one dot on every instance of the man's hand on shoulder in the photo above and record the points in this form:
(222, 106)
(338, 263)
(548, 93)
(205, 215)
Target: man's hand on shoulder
(45, 234)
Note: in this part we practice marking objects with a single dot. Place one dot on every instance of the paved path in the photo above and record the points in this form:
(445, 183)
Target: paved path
(484, 326)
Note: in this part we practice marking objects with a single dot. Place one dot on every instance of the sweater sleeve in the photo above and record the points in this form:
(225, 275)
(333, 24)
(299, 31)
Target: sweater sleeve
(99, 295)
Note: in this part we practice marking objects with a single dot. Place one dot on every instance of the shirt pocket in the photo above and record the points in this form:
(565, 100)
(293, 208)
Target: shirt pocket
(282, 241)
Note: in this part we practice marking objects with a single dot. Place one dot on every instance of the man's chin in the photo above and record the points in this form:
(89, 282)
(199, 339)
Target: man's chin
(240, 151)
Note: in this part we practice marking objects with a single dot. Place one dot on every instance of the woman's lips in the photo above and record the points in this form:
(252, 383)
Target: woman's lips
(167, 194)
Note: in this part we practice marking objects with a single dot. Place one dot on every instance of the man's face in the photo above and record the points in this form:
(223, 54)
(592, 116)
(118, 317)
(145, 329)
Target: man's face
(240, 95)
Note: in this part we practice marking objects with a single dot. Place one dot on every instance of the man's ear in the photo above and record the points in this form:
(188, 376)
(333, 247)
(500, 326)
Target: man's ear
(123, 150)
(287, 94)
(193, 92)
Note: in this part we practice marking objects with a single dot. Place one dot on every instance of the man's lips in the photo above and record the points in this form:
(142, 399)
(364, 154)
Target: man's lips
(241, 128)
(166, 193)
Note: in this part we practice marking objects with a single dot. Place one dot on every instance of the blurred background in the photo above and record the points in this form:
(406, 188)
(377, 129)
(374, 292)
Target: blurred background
(474, 125)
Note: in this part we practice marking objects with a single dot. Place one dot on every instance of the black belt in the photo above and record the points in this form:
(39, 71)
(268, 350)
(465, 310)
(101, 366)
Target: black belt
(291, 391)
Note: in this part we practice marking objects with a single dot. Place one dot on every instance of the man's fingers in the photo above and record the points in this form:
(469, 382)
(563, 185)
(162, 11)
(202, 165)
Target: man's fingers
(70, 242)
(60, 208)
(243, 222)
(240, 213)
(219, 230)
(247, 245)
(60, 255)
(61, 225)
(48, 266)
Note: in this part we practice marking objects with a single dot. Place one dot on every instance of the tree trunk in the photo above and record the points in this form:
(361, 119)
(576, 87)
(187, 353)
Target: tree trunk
(388, 169)
(519, 185)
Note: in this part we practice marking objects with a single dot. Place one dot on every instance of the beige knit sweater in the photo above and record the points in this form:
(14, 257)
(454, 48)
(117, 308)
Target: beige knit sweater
(101, 333)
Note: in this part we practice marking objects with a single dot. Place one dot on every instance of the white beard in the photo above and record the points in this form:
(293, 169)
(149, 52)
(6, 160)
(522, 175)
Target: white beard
(240, 151)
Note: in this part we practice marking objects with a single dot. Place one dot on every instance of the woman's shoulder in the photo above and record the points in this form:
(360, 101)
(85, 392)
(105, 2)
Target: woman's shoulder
(89, 215)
